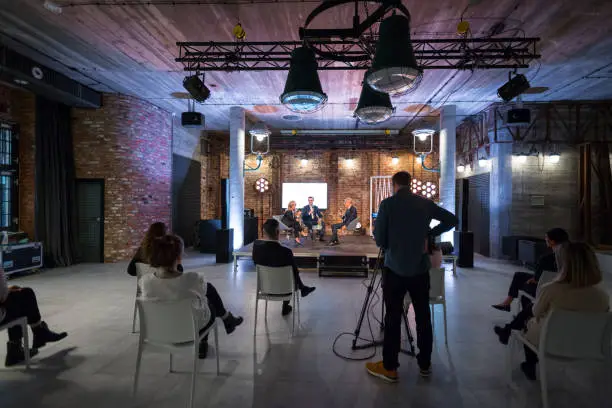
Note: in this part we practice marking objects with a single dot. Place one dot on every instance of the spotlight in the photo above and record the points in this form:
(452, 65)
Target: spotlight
(260, 131)
(262, 185)
(394, 160)
(419, 160)
(554, 158)
(423, 134)
(482, 162)
(196, 88)
(373, 106)
(513, 88)
(394, 68)
(304, 162)
(303, 92)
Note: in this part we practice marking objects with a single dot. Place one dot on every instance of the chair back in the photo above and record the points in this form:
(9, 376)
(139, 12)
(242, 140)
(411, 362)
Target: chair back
(577, 335)
(546, 277)
(281, 225)
(436, 283)
(167, 322)
(353, 224)
(142, 269)
(275, 280)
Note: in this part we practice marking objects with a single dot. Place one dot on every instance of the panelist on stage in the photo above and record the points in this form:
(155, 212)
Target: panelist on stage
(349, 216)
(311, 216)
(290, 219)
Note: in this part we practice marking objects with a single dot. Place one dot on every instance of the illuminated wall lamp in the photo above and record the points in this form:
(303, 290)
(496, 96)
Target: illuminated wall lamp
(554, 158)
(304, 162)
(483, 162)
(460, 168)
(394, 160)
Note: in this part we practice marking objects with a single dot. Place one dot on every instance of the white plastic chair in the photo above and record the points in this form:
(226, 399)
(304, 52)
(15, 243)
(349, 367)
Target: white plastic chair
(141, 270)
(567, 336)
(277, 285)
(172, 326)
(23, 322)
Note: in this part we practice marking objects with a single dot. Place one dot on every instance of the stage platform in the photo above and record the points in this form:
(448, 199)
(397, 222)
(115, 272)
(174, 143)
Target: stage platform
(350, 245)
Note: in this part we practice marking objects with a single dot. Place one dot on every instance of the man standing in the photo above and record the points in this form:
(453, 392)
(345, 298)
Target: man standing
(270, 252)
(311, 216)
(349, 215)
(402, 227)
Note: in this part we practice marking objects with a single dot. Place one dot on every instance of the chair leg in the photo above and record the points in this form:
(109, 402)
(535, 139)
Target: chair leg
(134, 318)
(255, 325)
(217, 347)
(266, 311)
(26, 343)
(445, 328)
(294, 312)
(193, 374)
(543, 382)
(170, 367)
(137, 373)
(509, 360)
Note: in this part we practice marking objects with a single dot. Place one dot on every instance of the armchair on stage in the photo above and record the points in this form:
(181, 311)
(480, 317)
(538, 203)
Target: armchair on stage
(284, 229)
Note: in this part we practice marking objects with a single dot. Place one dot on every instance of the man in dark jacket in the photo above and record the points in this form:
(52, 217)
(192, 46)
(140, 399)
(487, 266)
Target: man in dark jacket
(270, 252)
(349, 215)
(402, 228)
(311, 216)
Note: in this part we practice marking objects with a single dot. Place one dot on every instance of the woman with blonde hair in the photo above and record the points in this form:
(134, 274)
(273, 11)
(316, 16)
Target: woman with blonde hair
(290, 220)
(143, 254)
(576, 289)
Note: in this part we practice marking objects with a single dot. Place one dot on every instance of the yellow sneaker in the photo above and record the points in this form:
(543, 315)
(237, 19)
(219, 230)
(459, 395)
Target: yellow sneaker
(378, 370)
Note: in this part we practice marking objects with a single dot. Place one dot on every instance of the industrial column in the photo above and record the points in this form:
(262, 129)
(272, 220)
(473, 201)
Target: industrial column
(448, 142)
(236, 174)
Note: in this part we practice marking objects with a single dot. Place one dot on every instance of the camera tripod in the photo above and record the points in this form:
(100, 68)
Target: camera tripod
(373, 286)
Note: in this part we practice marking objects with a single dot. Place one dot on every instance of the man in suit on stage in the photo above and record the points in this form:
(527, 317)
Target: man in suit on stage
(270, 252)
(311, 216)
(349, 215)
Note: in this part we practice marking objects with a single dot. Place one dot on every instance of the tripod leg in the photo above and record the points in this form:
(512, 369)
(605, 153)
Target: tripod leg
(408, 332)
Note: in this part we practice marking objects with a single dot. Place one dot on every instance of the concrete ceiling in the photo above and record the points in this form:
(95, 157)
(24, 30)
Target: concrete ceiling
(131, 49)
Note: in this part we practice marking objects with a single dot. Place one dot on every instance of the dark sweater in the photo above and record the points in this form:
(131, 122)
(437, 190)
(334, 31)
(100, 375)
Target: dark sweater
(273, 254)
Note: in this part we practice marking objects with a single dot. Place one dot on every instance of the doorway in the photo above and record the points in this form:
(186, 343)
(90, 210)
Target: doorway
(90, 219)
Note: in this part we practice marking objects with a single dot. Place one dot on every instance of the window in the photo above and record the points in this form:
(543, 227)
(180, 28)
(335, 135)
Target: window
(9, 169)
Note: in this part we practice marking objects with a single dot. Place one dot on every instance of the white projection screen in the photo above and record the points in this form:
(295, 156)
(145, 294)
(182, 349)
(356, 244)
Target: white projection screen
(299, 192)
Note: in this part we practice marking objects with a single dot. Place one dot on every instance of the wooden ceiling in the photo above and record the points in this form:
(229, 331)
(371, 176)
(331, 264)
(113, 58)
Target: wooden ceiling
(131, 49)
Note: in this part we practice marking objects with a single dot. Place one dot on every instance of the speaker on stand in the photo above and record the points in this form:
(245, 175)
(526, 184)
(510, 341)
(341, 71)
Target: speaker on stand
(225, 236)
(464, 239)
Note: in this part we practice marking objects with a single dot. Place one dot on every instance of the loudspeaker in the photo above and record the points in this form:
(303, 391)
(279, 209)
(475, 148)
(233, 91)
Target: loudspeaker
(225, 198)
(513, 88)
(518, 117)
(192, 119)
(465, 201)
(464, 248)
(225, 245)
(208, 235)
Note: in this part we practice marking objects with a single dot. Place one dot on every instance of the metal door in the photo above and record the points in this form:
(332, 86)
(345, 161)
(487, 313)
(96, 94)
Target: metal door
(90, 215)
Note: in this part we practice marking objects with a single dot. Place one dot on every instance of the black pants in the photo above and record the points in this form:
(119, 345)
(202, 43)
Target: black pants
(215, 304)
(519, 282)
(519, 322)
(321, 232)
(20, 303)
(335, 228)
(394, 290)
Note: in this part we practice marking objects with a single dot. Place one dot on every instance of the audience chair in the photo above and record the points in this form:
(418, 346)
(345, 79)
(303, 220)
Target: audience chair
(567, 336)
(353, 225)
(276, 285)
(546, 277)
(23, 322)
(173, 327)
(141, 270)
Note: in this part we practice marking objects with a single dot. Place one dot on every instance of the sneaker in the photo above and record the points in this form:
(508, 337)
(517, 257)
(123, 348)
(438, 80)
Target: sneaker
(529, 370)
(307, 290)
(425, 372)
(378, 370)
(15, 354)
(42, 335)
(286, 309)
(333, 243)
(231, 322)
(503, 308)
(503, 334)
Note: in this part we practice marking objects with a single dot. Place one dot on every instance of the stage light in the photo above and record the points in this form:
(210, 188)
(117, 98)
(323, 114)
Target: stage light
(394, 160)
(513, 88)
(196, 88)
(419, 183)
(262, 185)
(521, 158)
(394, 68)
(554, 158)
(303, 92)
(414, 190)
(428, 195)
(423, 134)
(304, 162)
(460, 168)
(373, 106)
(483, 162)
(423, 192)
(260, 131)
(419, 159)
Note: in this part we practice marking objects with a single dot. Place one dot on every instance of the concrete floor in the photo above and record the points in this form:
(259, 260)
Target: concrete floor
(94, 366)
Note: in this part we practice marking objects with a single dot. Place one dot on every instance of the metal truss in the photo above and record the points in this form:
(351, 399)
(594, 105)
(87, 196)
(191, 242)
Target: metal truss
(453, 53)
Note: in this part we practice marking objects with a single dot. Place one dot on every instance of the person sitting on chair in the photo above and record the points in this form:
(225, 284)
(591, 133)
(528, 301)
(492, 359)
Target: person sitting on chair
(349, 215)
(16, 302)
(528, 282)
(290, 220)
(156, 230)
(168, 283)
(575, 288)
(311, 216)
(270, 252)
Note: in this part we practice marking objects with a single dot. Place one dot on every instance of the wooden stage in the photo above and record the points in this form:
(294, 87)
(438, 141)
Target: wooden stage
(350, 245)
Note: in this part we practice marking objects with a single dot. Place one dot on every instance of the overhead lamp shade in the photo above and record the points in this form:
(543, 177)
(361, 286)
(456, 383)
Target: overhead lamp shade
(394, 68)
(260, 131)
(303, 92)
(373, 106)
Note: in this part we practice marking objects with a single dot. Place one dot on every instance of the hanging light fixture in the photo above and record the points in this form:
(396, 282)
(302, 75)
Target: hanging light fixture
(423, 134)
(460, 168)
(394, 68)
(303, 92)
(373, 106)
(260, 131)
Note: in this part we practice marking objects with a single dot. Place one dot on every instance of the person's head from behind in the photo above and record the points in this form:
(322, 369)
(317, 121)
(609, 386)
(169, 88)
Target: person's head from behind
(348, 202)
(400, 180)
(270, 229)
(556, 236)
(156, 230)
(310, 201)
(580, 267)
(166, 252)
(291, 205)
(298, 213)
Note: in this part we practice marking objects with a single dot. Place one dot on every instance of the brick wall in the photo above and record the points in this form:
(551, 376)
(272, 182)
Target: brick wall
(128, 144)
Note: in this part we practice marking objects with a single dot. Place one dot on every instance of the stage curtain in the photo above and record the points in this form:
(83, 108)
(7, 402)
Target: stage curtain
(55, 184)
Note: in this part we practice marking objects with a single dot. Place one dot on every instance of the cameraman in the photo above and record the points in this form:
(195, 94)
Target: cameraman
(402, 228)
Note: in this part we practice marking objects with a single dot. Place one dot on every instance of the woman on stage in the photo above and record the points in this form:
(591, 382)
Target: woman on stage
(290, 220)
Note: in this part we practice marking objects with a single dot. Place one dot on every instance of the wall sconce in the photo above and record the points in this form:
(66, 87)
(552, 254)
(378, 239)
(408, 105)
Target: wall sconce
(349, 161)
(521, 158)
(483, 162)
(304, 162)
(394, 159)
(553, 158)
(460, 168)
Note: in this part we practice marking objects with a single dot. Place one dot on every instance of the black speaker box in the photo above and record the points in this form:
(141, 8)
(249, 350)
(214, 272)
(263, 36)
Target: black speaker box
(225, 198)
(208, 235)
(225, 245)
(464, 248)
(192, 119)
(518, 117)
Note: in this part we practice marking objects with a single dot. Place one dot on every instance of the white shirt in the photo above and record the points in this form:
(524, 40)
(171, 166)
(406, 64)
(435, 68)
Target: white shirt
(161, 285)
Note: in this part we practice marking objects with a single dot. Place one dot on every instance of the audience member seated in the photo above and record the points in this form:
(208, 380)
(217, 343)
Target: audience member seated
(575, 288)
(270, 252)
(349, 215)
(156, 230)
(290, 220)
(312, 216)
(16, 302)
(528, 282)
(168, 283)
